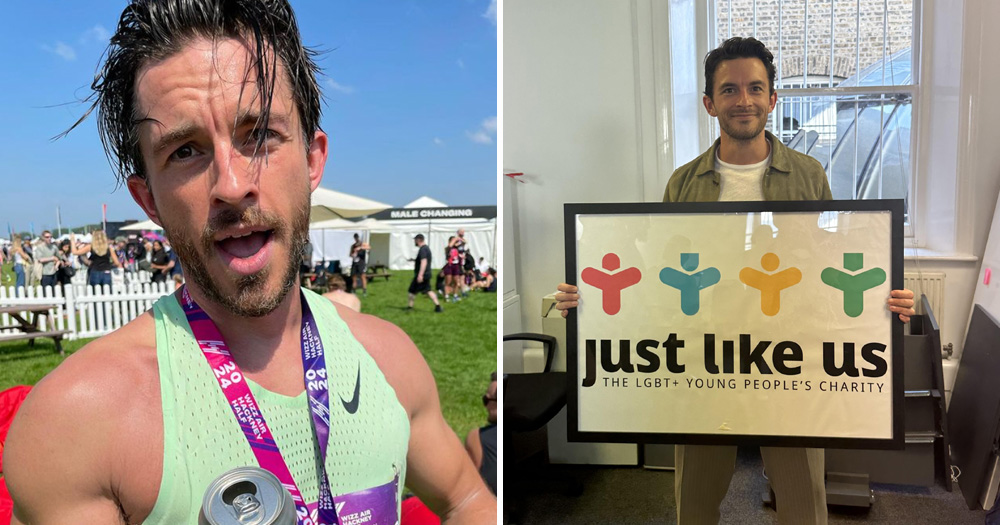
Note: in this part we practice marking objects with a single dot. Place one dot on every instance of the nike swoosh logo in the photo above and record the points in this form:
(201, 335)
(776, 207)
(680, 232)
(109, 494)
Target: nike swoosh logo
(352, 405)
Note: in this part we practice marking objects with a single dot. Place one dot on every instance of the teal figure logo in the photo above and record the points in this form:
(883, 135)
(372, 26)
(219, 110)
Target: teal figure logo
(690, 284)
(853, 285)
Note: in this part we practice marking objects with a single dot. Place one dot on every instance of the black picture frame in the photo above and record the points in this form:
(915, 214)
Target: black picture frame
(894, 206)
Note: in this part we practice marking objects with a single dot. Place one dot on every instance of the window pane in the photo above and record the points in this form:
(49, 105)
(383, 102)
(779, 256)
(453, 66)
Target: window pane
(862, 141)
(881, 37)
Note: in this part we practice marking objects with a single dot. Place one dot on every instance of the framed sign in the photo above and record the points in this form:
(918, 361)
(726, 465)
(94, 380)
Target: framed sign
(736, 323)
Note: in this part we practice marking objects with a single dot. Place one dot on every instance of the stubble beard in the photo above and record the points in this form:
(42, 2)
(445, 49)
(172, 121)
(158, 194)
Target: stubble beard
(251, 297)
(742, 134)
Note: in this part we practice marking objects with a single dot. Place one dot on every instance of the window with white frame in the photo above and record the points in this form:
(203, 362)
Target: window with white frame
(846, 81)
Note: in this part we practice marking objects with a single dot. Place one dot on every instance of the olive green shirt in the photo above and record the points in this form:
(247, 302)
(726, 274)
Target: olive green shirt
(792, 176)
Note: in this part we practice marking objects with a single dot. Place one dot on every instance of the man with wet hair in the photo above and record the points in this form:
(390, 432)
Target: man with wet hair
(747, 163)
(209, 111)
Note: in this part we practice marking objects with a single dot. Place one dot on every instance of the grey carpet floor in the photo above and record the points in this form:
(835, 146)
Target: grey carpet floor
(641, 496)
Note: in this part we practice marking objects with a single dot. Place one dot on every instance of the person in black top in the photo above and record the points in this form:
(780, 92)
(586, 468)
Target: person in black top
(102, 258)
(160, 263)
(176, 270)
(481, 443)
(359, 263)
(469, 266)
(65, 271)
(422, 274)
(489, 283)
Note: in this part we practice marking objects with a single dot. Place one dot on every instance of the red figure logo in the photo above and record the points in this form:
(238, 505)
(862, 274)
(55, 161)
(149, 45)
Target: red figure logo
(611, 284)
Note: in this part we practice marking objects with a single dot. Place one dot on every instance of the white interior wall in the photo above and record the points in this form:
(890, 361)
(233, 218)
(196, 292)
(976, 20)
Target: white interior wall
(571, 105)
(978, 162)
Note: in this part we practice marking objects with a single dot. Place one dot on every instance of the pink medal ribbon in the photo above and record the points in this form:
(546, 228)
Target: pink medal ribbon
(248, 413)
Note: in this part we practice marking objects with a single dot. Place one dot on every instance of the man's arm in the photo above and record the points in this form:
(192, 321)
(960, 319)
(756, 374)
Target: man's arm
(474, 446)
(50, 460)
(54, 457)
(439, 471)
(423, 268)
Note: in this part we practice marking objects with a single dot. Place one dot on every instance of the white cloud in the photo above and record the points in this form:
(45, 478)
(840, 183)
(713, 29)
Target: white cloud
(461, 63)
(487, 130)
(479, 137)
(62, 50)
(490, 125)
(95, 34)
(491, 12)
(438, 141)
(336, 86)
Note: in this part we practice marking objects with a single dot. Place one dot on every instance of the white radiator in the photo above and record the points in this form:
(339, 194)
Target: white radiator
(930, 284)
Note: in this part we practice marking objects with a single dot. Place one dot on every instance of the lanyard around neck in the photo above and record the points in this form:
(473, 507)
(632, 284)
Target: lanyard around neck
(248, 413)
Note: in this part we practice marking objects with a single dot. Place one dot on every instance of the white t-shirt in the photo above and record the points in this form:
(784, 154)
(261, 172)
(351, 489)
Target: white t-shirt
(741, 182)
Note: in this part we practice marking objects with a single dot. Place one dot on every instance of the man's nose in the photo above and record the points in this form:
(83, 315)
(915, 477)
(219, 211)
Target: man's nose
(745, 99)
(235, 178)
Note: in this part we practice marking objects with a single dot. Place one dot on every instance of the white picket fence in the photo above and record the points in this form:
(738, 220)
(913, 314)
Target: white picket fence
(86, 311)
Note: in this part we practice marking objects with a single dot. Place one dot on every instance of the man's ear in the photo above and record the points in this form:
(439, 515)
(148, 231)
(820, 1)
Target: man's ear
(709, 106)
(143, 196)
(774, 100)
(317, 158)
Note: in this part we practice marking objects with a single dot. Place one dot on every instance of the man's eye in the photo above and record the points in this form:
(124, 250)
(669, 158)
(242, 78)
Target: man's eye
(183, 152)
(257, 135)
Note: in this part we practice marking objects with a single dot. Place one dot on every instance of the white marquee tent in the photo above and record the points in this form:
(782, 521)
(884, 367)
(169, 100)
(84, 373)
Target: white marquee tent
(391, 240)
(147, 225)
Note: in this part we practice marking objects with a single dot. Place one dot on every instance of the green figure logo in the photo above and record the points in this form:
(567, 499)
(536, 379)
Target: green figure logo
(853, 286)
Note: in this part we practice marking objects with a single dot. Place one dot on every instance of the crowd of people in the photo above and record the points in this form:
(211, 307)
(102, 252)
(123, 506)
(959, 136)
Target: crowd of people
(48, 262)
(456, 279)
(460, 275)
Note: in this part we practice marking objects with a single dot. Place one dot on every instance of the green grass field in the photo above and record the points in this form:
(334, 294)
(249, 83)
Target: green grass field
(7, 274)
(459, 345)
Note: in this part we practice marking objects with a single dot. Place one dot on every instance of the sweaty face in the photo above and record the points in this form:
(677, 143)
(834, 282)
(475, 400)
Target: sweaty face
(741, 98)
(236, 215)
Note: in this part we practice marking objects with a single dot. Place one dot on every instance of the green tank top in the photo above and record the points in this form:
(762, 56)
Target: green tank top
(201, 438)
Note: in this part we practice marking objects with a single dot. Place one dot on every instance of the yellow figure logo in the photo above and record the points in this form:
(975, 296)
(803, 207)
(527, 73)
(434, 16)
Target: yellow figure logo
(770, 284)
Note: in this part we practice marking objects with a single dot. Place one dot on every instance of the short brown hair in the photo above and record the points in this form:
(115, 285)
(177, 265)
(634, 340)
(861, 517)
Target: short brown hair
(336, 282)
(738, 47)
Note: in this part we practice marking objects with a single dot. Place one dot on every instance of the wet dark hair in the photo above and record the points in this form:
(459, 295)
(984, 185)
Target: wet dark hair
(152, 30)
(738, 47)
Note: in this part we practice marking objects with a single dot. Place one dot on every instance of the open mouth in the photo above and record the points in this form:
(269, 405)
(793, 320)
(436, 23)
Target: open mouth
(245, 252)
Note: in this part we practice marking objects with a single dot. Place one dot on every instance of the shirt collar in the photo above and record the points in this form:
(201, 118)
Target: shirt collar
(779, 156)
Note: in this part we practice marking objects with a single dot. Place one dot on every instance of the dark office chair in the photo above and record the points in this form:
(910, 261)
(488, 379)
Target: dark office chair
(530, 400)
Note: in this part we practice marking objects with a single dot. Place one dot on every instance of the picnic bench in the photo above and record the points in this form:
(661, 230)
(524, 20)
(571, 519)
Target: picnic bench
(28, 329)
(378, 270)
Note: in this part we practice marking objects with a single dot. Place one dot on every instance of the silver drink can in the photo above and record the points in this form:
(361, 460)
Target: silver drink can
(247, 496)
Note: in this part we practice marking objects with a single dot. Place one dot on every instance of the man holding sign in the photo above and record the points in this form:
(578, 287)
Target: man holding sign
(747, 163)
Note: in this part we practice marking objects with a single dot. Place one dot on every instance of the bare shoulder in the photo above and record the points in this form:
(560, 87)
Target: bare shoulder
(96, 380)
(123, 362)
(86, 421)
(347, 299)
(395, 354)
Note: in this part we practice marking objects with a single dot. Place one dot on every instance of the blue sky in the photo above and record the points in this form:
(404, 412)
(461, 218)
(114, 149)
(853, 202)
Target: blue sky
(411, 104)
